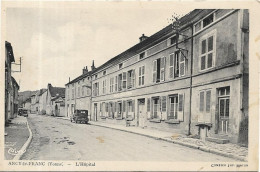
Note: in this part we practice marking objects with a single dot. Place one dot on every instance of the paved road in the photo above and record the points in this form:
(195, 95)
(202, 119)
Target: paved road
(58, 139)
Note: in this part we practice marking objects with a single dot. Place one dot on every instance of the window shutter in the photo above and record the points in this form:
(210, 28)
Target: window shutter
(163, 103)
(133, 106)
(133, 78)
(181, 107)
(208, 99)
(162, 69)
(154, 70)
(115, 83)
(100, 107)
(124, 80)
(148, 105)
(171, 69)
(128, 79)
(182, 63)
(124, 106)
(201, 101)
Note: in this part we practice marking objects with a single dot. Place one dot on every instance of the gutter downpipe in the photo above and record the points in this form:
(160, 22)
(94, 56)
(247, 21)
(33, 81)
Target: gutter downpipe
(191, 69)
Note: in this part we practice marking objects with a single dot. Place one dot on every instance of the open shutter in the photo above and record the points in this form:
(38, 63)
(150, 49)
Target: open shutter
(182, 63)
(133, 110)
(133, 78)
(124, 109)
(124, 80)
(154, 70)
(181, 107)
(128, 80)
(201, 107)
(208, 106)
(162, 69)
(171, 68)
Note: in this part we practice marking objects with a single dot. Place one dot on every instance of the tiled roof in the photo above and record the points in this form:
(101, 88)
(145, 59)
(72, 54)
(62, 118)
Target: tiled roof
(80, 77)
(9, 48)
(57, 91)
(39, 93)
(166, 32)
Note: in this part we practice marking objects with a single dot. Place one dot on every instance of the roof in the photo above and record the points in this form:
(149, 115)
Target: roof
(14, 81)
(57, 91)
(27, 100)
(9, 49)
(80, 77)
(39, 93)
(154, 39)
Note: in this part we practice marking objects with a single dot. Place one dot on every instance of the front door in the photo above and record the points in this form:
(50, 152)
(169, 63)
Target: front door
(141, 113)
(223, 115)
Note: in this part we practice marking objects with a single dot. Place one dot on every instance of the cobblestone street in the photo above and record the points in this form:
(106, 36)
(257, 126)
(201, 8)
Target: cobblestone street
(57, 139)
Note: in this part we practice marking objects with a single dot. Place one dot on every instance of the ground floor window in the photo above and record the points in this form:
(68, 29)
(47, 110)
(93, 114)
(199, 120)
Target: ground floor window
(156, 107)
(130, 108)
(119, 109)
(173, 109)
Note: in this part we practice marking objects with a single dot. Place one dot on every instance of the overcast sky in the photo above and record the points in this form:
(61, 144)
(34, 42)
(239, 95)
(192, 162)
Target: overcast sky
(57, 42)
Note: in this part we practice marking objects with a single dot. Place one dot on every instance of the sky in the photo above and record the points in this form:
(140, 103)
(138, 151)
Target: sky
(56, 42)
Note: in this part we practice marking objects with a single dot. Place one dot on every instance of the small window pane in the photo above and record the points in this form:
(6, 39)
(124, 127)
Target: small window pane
(210, 62)
(227, 108)
(203, 50)
(221, 107)
(210, 43)
(203, 62)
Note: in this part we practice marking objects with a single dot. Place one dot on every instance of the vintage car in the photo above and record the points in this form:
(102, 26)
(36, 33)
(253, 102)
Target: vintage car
(80, 116)
(24, 113)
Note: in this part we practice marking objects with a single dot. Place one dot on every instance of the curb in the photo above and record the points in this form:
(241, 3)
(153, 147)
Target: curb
(26, 144)
(202, 148)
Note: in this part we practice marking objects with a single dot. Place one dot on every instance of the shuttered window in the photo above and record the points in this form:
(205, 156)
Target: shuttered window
(205, 101)
(154, 71)
(124, 80)
(208, 100)
(171, 68)
(163, 103)
(141, 76)
(148, 105)
(116, 83)
(207, 51)
(201, 101)
(162, 76)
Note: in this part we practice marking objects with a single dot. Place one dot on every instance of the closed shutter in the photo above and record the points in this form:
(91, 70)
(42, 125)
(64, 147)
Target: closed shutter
(163, 103)
(181, 107)
(148, 104)
(133, 78)
(133, 110)
(115, 83)
(182, 63)
(124, 106)
(128, 80)
(201, 101)
(162, 69)
(154, 70)
(171, 68)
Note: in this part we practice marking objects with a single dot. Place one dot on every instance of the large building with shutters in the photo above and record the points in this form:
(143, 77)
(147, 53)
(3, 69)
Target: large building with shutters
(194, 81)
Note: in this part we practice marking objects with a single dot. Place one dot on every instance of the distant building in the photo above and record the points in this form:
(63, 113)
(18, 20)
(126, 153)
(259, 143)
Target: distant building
(78, 92)
(42, 102)
(52, 94)
(15, 101)
(27, 104)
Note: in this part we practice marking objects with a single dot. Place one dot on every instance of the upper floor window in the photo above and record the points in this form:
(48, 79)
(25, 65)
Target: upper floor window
(131, 79)
(207, 51)
(173, 40)
(82, 91)
(141, 76)
(141, 56)
(204, 22)
(116, 83)
(104, 72)
(208, 20)
(104, 87)
(122, 81)
(120, 65)
(95, 76)
(158, 69)
(177, 64)
(96, 89)
(111, 86)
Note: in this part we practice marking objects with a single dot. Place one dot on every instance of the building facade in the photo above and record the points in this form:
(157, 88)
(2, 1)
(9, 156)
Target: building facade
(192, 81)
(78, 93)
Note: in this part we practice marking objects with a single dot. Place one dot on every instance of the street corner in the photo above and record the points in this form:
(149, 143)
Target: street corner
(17, 135)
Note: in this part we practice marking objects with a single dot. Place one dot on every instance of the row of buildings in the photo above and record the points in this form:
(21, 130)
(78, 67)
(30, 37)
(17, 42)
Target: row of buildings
(50, 101)
(191, 77)
(11, 86)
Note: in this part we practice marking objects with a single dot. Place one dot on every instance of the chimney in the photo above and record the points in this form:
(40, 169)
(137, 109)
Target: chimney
(49, 85)
(93, 66)
(143, 37)
(86, 68)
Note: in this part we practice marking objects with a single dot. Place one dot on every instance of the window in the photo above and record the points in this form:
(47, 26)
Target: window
(173, 107)
(104, 72)
(79, 91)
(141, 56)
(68, 94)
(82, 90)
(176, 106)
(111, 85)
(120, 65)
(156, 107)
(208, 20)
(205, 101)
(119, 109)
(122, 81)
(131, 79)
(111, 110)
(72, 96)
(223, 94)
(95, 89)
(95, 76)
(130, 108)
(207, 52)
(116, 83)
(177, 64)
(141, 75)
(173, 40)
(104, 87)
(158, 69)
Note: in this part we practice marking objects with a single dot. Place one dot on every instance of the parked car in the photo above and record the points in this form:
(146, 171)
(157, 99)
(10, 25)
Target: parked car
(80, 116)
(25, 113)
(20, 111)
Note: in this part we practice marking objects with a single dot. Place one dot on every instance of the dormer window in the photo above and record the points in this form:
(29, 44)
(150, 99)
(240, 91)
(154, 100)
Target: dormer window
(141, 56)
(173, 40)
(208, 20)
(120, 65)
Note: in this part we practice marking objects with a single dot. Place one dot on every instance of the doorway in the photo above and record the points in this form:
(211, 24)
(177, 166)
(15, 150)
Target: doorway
(141, 113)
(223, 109)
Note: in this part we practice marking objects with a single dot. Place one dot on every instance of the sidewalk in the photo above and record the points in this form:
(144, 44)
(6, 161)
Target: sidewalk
(17, 138)
(228, 150)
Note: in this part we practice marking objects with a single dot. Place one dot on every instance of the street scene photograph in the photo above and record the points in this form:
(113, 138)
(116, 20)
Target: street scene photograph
(124, 82)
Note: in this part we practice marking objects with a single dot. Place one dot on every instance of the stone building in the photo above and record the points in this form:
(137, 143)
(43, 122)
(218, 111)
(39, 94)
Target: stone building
(190, 77)
(78, 92)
